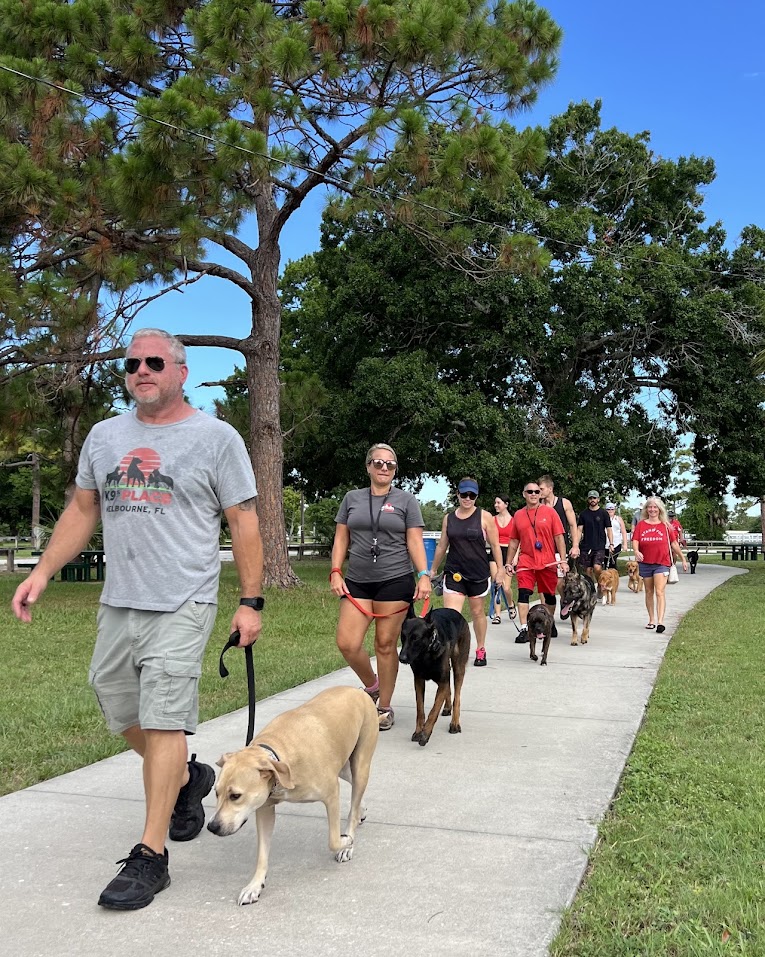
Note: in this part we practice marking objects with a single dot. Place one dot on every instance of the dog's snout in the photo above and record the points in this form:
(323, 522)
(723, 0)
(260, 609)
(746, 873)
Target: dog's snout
(403, 657)
(213, 826)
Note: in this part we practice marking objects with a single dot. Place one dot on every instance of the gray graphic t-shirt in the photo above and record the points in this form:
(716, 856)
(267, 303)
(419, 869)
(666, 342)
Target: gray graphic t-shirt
(396, 513)
(163, 489)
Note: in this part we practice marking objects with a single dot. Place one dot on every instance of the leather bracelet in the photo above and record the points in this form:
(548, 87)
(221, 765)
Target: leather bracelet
(333, 570)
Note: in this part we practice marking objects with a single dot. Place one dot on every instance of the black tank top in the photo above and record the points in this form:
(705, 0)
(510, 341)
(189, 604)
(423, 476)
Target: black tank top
(467, 547)
(563, 520)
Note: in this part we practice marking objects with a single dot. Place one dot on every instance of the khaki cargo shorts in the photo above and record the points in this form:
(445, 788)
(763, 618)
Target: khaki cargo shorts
(146, 666)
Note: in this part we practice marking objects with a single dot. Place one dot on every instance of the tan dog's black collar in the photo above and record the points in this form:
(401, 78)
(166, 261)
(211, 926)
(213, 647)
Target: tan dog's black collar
(270, 750)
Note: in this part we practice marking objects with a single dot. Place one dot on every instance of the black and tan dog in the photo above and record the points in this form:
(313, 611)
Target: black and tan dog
(436, 647)
(693, 560)
(578, 600)
(539, 625)
(299, 757)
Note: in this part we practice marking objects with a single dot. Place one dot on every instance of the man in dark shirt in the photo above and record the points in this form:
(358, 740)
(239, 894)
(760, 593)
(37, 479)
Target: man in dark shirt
(594, 527)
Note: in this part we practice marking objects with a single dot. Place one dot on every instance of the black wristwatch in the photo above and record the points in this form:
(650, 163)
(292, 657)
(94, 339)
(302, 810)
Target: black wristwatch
(256, 603)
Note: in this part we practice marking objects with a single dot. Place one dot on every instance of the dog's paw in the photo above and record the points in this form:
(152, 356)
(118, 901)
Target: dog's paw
(534, 657)
(455, 728)
(416, 735)
(345, 853)
(422, 739)
(543, 661)
(574, 641)
(250, 894)
(446, 712)
(584, 641)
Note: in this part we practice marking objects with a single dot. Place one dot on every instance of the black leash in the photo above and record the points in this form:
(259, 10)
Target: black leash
(233, 642)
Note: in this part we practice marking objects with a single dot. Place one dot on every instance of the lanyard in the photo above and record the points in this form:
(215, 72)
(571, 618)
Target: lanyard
(376, 524)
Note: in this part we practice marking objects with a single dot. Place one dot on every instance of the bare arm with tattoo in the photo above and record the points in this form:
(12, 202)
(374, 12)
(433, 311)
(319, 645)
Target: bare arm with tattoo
(247, 547)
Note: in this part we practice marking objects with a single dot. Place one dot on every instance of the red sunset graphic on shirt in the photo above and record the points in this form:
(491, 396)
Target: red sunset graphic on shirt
(138, 478)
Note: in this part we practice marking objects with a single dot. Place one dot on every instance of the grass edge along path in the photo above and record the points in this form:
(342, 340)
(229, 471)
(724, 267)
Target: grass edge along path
(679, 866)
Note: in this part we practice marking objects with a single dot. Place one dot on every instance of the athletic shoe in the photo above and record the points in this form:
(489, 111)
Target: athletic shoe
(522, 637)
(480, 658)
(143, 875)
(386, 718)
(188, 814)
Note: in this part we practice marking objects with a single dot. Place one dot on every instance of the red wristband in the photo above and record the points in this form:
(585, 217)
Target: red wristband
(333, 570)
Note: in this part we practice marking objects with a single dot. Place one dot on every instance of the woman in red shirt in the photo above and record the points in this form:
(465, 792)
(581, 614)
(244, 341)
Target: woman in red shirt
(504, 522)
(655, 542)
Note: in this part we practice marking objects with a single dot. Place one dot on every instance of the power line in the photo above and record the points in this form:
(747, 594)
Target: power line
(330, 180)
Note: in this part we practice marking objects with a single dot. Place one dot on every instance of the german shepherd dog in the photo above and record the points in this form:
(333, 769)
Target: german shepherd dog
(435, 646)
(578, 600)
(693, 560)
(539, 625)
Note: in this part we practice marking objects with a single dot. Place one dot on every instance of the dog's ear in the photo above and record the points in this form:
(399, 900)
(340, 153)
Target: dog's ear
(283, 774)
(224, 757)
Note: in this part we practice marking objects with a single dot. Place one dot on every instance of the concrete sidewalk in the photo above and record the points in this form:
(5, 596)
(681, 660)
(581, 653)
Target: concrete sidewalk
(473, 845)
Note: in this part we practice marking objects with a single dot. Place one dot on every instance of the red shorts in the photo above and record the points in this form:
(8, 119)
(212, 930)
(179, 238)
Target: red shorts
(545, 579)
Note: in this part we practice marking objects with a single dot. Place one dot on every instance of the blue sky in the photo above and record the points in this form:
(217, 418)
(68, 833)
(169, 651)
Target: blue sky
(692, 72)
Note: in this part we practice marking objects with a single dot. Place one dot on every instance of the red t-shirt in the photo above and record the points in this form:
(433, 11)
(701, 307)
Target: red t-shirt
(532, 526)
(506, 533)
(653, 542)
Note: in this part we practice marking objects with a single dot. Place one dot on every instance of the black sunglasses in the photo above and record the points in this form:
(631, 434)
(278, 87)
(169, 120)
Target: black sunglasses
(384, 464)
(532, 491)
(467, 495)
(155, 363)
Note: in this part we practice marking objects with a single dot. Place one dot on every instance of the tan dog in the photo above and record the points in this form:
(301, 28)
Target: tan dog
(299, 757)
(608, 585)
(635, 582)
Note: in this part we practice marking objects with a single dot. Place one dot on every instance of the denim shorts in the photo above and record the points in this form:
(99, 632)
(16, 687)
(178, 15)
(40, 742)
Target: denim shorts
(648, 571)
(146, 666)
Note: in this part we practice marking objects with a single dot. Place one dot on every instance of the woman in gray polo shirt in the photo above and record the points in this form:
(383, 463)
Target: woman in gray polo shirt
(379, 529)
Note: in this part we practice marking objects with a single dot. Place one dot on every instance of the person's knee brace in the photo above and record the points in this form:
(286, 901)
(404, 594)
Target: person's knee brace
(524, 594)
(549, 600)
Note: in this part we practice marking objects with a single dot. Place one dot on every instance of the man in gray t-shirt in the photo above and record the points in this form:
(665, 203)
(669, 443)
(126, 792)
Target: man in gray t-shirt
(159, 478)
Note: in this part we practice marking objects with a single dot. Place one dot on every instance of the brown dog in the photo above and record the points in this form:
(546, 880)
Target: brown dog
(635, 582)
(299, 757)
(608, 585)
(539, 625)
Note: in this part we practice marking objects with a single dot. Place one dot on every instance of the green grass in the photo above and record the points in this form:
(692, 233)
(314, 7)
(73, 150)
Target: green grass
(679, 868)
(49, 720)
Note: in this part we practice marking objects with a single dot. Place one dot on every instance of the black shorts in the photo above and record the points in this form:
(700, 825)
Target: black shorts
(472, 589)
(396, 589)
(591, 557)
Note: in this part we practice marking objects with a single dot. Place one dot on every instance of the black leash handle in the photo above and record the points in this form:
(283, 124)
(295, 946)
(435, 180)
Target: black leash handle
(233, 642)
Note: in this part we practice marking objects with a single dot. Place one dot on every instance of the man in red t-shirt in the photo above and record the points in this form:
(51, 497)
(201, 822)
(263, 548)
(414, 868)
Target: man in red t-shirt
(674, 522)
(537, 535)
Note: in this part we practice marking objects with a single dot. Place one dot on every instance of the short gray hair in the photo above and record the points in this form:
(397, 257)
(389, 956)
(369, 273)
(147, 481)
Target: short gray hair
(177, 348)
(375, 447)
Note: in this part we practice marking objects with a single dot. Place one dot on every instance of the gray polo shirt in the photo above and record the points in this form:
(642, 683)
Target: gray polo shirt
(397, 512)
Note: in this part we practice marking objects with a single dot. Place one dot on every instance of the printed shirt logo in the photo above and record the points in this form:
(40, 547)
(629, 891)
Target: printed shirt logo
(137, 484)
(388, 507)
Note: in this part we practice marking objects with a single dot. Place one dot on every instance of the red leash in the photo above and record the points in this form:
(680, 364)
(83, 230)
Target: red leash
(548, 565)
(371, 614)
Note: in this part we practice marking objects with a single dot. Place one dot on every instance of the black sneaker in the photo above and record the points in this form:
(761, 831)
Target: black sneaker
(554, 631)
(188, 814)
(143, 875)
(522, 637)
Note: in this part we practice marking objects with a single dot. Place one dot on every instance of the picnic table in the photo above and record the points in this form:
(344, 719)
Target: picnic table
(9, 551)
(90, 565)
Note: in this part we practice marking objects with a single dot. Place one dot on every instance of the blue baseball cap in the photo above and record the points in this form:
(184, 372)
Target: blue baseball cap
(468, 485)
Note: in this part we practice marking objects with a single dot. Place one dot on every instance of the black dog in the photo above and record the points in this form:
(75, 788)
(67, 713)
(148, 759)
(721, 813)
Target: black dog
(434, 646)
(539, 625)
(693, 560)
(578, 599)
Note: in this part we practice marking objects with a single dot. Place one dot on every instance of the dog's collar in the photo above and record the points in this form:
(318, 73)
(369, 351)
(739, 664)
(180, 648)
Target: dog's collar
(270, 750)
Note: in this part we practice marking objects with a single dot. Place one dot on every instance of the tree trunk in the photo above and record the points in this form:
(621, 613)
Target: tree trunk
(762, 521)
(262, 359)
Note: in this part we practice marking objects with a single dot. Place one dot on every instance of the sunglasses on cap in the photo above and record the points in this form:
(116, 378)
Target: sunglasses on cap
(471, 495)
(384, 464)
(155, 363)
